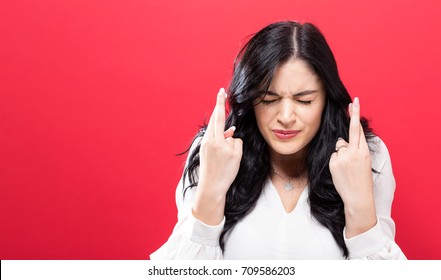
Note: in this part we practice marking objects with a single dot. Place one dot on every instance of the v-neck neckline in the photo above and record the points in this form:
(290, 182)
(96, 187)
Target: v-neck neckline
(278, 199)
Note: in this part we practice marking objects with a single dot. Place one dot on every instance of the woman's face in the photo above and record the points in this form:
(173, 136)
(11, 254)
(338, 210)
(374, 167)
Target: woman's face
(289, 114)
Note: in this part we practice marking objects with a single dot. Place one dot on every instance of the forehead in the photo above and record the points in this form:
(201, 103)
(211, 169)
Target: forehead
(294, 75)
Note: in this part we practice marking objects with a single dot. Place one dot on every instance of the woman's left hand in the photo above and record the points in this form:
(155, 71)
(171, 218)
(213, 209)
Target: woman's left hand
(350, 167)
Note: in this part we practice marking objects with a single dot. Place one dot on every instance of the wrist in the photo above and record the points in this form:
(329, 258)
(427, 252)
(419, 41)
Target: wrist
(358, 202)
(209, 207)
(360, 218)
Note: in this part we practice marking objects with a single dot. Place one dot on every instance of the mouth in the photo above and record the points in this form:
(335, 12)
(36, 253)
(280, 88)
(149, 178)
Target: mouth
(285, 134)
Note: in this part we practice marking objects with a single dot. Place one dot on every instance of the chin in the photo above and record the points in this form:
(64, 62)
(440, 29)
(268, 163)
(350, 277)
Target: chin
(286, 151)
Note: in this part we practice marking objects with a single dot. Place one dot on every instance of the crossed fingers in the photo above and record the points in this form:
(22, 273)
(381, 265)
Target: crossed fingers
(357, 139)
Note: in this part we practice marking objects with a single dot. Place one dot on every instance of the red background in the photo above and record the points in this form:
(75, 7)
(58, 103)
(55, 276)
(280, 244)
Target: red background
(97, 97)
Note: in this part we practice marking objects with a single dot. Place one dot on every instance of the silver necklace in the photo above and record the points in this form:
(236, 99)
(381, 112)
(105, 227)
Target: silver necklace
(288, 186)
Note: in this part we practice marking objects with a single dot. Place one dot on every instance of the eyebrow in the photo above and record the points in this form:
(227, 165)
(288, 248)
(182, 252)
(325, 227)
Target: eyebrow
(298, 94)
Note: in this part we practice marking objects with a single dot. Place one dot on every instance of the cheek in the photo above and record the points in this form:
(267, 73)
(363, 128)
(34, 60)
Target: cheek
(262, 116)
(312, 118)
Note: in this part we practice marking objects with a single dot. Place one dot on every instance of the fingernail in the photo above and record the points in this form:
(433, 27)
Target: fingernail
(350, 107)
(356, 102)
(233, 128)
(339, 138)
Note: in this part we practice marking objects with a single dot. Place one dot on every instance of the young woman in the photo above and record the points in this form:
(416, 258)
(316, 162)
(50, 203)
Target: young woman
(293, 172)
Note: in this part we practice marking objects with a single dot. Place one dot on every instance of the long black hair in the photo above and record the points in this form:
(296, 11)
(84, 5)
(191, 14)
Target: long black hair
(253, 71)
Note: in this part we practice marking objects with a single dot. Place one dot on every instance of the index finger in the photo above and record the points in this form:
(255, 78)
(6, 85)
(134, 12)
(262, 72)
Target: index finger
(219, 114)
(355, 126)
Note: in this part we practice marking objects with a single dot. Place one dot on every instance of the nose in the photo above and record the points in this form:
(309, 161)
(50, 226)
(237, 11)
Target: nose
(286, 114)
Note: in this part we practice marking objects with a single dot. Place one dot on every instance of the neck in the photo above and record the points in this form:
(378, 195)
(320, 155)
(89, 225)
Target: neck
(292, 166)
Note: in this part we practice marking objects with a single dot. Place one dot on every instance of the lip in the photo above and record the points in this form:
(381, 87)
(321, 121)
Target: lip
(285, 134)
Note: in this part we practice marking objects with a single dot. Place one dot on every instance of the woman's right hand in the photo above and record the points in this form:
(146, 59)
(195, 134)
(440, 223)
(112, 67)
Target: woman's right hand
(220, 156)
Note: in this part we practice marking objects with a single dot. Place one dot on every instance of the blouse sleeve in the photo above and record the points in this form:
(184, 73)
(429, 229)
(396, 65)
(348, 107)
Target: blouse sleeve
(191, 239)
(379, 242)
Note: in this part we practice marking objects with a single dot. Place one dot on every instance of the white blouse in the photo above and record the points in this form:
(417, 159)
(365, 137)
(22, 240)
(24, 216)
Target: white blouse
(269, 232)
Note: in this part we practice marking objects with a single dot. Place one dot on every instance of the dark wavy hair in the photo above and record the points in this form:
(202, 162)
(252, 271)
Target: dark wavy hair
(253, 70)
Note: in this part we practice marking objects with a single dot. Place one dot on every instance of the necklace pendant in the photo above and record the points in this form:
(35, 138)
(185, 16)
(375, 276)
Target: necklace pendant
(288, 186)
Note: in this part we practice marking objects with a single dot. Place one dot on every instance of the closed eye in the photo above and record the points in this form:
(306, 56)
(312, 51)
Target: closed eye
(267, 102)
(305, 102)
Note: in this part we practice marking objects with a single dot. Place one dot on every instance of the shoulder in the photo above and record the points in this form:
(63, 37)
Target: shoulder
(382, 167)
(379, 153)
(183, 192)
(193, 147)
